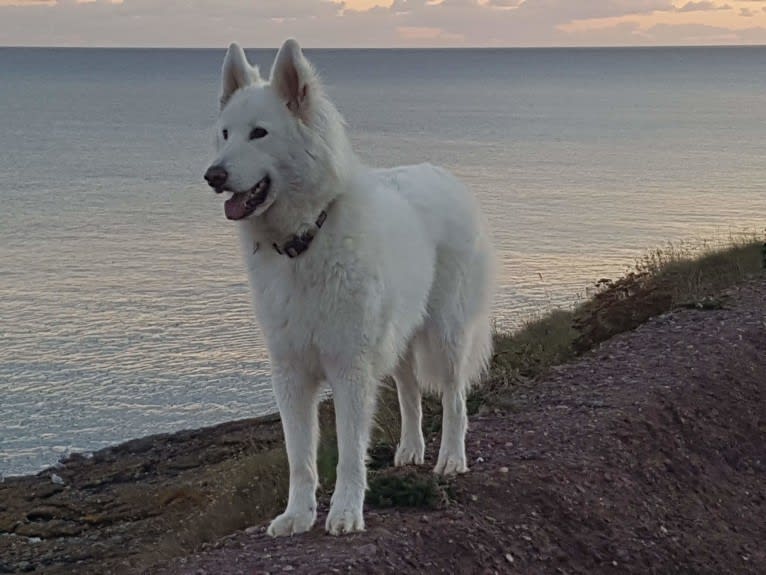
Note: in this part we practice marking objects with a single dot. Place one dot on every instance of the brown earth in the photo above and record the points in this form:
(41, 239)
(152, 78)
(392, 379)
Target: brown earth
(647, 455)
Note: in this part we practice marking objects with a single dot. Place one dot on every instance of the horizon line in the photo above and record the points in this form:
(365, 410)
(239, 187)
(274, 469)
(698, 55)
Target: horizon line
(553, 47)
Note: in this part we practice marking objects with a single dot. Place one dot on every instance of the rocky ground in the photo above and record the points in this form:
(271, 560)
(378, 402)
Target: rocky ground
(105, 513)
(647, 455)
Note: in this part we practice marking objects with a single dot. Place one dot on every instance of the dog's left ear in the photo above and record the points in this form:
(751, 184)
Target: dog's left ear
(294, 79)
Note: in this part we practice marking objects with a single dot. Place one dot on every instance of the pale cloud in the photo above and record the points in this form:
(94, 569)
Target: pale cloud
(703, 5)
(692, 33)
(503, 3)
(380, 22)
(366, 4)
(421, 33)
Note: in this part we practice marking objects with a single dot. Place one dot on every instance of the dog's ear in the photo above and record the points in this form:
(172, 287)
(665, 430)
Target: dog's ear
(294, 79)
(237, 73)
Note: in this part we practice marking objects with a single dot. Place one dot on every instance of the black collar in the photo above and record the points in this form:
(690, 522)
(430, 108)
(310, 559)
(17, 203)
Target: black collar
(296, 245)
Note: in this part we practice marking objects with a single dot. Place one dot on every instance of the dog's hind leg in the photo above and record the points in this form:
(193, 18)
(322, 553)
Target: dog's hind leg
(456, 343)
(439, 358)
(449, 361)
(452, 458)
(297, 396)
(411, 445)
(354, 392)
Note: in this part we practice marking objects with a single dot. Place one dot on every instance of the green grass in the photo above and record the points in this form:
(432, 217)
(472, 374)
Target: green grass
(407, 487)
(541, 343)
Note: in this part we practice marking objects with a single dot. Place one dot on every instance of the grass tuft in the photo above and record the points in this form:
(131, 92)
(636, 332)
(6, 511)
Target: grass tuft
(540, 344)
(406, 488)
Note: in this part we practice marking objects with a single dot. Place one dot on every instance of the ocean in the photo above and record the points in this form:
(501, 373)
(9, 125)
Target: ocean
(124, 307)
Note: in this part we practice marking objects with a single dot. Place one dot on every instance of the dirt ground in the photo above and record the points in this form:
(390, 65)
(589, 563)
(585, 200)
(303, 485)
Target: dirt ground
(647, 455)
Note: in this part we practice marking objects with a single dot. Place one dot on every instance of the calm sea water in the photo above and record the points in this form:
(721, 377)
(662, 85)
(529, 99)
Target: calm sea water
(123, 302)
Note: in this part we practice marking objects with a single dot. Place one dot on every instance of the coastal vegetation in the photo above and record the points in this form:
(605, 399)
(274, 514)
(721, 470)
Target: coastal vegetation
(254, 486)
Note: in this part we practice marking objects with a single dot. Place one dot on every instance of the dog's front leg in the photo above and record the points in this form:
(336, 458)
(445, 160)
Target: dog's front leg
(354, 398)
(296, 396)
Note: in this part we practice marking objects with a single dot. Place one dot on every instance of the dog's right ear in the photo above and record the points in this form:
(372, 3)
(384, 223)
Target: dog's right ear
(237, 73)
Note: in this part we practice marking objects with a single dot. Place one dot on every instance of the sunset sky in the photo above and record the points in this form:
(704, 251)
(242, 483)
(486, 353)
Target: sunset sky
(381, 23)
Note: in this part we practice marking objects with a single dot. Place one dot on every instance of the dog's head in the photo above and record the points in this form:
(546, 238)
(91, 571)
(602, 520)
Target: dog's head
(269, 146)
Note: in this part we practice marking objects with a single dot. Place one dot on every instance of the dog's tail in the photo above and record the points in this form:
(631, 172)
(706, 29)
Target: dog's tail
(479, 352)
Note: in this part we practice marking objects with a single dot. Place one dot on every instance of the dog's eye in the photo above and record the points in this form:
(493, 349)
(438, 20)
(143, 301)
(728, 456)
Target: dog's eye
(225, 134)
(257, 133)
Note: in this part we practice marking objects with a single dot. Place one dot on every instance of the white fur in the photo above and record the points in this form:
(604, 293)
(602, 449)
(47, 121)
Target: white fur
(397, 282)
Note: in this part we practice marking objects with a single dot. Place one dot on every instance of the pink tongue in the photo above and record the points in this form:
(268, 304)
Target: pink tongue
(235, 207)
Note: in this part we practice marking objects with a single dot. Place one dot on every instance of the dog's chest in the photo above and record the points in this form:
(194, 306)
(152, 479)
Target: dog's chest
(313, 304)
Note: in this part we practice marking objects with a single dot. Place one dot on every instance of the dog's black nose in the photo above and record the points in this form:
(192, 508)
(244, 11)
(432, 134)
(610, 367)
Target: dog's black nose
(216, 176)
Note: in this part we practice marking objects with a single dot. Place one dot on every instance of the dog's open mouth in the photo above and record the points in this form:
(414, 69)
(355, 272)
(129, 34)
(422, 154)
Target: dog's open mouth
(242, 204)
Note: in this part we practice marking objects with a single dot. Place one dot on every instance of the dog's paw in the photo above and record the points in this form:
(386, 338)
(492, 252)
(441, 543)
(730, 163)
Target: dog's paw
(291, 523)
(407, 454)
(344, 520)
(450, 464)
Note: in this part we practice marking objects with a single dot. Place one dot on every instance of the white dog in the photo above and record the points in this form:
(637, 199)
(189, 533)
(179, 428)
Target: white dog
(356, 274)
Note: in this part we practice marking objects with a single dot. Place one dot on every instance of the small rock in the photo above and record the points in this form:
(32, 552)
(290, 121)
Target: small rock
(288, 568)
(479, 459)
(509, 558)
(369, 549)
(504, 469)
(474, 497)
(623, 555)
(530, 455)
(252, 529)
(43, 513)
(8, 524)
(57, 479)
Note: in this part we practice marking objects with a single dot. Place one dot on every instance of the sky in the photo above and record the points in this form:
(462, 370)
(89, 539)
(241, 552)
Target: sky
(381, 23)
